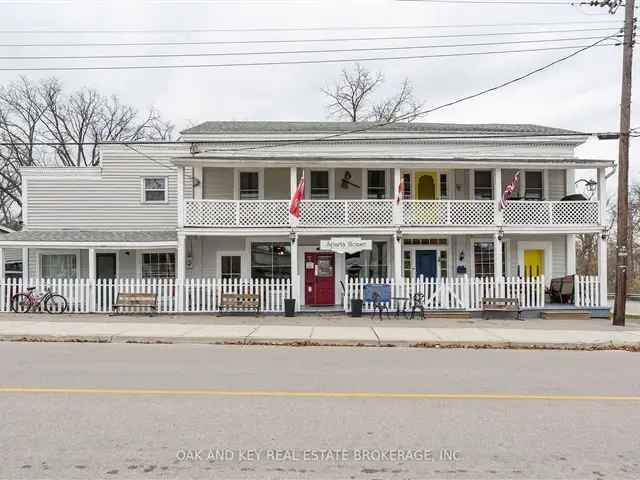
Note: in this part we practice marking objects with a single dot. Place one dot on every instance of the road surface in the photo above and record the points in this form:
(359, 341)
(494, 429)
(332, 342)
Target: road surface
(183, 411)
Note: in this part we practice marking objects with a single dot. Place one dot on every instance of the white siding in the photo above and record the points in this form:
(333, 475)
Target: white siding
(111, 202)
(277, 184)
(351, 192)
(217, 183)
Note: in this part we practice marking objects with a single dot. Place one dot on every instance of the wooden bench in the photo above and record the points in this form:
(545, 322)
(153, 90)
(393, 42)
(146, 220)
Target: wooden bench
(148, 301)
(500, 308)
(239, 302)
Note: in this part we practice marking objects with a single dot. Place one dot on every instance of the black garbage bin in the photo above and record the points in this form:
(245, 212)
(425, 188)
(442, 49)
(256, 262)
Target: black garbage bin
(289, 307)
(356, 307)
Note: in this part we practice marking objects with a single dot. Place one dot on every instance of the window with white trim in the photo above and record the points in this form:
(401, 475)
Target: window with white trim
(230, 266)
(159, 265)
(319, 184)
(533, 188)
(376, 187)
(483, 182)
(154, 189)
(59, 265)
(249, 186)
(483, 255)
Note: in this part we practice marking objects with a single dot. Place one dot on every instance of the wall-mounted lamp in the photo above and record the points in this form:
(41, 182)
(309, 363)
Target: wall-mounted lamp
(398, 235)
(127, 253)
(196, 182)
(292, 237)
(461, 257)
(605, 234)
(500, 234)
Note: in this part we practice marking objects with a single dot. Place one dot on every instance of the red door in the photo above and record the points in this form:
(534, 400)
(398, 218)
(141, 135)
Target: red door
(319, 278)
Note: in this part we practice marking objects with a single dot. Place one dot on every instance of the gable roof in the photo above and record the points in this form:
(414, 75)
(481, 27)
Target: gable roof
(212, 128)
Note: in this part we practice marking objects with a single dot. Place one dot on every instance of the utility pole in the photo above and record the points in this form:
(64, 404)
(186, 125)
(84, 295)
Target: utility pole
(623, 166)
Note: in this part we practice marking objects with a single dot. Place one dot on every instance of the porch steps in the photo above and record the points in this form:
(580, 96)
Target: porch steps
(566, 314)
(452, 314)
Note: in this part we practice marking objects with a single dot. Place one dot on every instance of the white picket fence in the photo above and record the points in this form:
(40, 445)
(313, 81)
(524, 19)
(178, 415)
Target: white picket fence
(466, 293)
(198, 295)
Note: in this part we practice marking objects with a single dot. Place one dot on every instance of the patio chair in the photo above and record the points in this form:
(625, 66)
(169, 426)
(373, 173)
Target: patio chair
(554, 290)
(566, 290)
(417, 304)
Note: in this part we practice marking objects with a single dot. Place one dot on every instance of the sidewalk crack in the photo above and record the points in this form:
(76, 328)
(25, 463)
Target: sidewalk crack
(246, 338)
(376, 334)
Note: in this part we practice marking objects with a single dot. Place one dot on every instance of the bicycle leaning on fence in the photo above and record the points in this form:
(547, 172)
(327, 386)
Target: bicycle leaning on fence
(28, 301)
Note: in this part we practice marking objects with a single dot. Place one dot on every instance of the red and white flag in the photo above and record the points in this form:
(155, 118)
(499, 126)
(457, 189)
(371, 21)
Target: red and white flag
(508, 190)
(400, 191)
(298, 195)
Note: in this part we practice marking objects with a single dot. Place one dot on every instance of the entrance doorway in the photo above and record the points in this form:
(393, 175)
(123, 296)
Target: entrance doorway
(106, 265)
(427, 263)
(533, 263)
(426, 185)
(319, 278)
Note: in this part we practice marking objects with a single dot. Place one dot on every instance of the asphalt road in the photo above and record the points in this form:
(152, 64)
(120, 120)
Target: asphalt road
(159, 411)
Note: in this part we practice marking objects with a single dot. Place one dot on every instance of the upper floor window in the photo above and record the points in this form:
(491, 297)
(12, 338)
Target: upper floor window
(249, 186)
(154, 189)
(483, 185)
(376, 184)
(406, 183)
(533, 188)
(320, 184)
(444, 188)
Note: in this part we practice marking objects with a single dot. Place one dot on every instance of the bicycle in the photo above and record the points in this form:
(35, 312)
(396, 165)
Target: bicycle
(24, 302)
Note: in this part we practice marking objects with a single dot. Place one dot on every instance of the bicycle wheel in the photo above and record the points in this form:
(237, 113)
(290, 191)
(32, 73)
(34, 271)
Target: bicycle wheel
(56, 304)
(20, 303)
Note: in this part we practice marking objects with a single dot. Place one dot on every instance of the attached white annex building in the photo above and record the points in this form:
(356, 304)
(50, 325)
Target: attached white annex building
(214, 213)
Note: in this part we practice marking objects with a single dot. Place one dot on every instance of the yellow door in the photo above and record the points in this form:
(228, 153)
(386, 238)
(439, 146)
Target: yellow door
(426, 185)
(533, 263)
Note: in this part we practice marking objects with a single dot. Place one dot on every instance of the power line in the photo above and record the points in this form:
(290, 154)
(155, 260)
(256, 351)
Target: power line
(290, 29)
(289, 52)
(433, 109)
(157, 162)
(296, 62)
(501, 2)
(301, 40)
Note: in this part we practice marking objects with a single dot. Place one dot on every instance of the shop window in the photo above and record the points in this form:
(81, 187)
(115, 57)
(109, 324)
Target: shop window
(158, 265)
(59, 266)
(377, 261)
(270, 260)
(406, 263)
(353, 264)
(443, 263)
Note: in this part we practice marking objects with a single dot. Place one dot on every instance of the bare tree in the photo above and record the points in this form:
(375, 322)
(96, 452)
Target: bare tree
(74, 124)
(352, 98)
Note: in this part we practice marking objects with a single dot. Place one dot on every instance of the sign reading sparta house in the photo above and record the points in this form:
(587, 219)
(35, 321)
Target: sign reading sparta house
(345, 245)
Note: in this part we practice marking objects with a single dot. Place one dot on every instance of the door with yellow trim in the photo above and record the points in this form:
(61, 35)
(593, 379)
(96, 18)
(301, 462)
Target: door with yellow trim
(533, 263)
(427, 185)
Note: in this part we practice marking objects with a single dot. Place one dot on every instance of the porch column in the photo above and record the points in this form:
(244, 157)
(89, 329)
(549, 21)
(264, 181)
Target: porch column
(397, 258)
(180, 199)
(497, 256)
(570, 187)
(25, 266)
(92, 279)
(602, 237)
(295, 279)
(180, 271)
(2, 280)
(497, 193)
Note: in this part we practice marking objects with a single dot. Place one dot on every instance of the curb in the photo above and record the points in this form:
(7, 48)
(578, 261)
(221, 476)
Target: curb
(498, 344)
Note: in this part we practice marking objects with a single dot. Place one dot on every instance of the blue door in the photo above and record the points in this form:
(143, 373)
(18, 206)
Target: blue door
(426, 263)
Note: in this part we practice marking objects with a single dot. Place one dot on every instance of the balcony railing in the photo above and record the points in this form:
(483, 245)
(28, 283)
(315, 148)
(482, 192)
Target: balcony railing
(375, 213)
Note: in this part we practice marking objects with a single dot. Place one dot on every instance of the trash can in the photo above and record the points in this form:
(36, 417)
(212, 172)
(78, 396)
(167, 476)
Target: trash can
(289, 307)
(356, 307)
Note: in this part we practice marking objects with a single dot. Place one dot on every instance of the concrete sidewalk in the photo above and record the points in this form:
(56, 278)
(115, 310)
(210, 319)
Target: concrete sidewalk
(314, 331)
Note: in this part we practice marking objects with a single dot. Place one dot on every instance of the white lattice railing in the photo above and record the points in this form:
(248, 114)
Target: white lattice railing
(448, 212)
(363, 213)
(198, 295)
(464, 293)
(552, 213)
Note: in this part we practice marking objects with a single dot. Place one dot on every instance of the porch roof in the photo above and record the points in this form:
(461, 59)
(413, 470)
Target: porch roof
(280, 158)
(90, 238)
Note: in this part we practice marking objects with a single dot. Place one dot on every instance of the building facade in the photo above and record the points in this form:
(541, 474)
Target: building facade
(422, 198)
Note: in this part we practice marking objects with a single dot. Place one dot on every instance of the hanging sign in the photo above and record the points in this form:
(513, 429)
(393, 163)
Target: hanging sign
(345, 245)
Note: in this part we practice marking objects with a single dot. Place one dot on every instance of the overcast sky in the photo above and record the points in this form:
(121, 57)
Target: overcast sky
(582, 93)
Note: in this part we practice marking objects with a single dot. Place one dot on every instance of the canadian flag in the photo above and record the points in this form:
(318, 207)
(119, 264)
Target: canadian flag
(298, 195)
(509, 189)
(400, 191)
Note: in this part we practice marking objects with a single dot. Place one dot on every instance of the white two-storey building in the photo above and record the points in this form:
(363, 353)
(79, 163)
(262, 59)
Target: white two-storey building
(421, 199)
